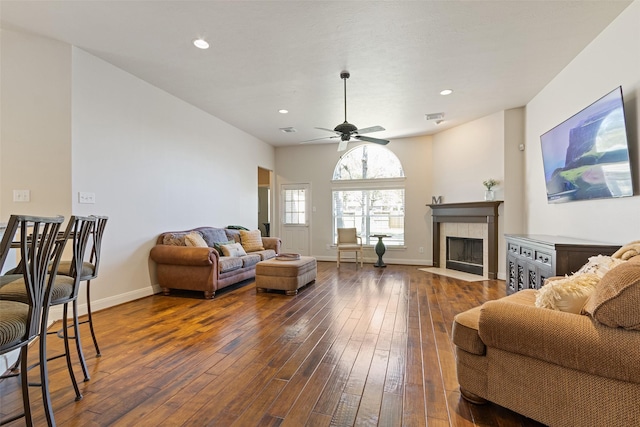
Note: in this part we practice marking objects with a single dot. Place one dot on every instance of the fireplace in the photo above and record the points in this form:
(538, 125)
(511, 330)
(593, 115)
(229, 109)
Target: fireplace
(474, 220)
(465, 254)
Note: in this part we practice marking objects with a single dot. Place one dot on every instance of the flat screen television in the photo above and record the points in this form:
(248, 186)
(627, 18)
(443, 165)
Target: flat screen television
(587, 156)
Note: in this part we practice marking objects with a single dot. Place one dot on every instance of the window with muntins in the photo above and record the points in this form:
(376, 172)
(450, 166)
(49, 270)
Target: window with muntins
(368, 194)
(294, 206)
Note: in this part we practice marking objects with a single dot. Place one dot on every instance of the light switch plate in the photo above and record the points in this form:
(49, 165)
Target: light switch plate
(84, 197)
(21, 195)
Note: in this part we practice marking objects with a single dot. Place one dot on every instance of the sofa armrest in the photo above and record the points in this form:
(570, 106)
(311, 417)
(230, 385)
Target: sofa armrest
(183, 255)
(570, 340)
(272, 243)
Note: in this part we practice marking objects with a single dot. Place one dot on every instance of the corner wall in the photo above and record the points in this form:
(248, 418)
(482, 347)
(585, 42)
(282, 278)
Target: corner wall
(314, 164)
(611, 60)
(154, 162)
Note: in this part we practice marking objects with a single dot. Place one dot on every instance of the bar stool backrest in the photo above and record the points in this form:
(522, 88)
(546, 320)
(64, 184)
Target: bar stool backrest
(37, 242)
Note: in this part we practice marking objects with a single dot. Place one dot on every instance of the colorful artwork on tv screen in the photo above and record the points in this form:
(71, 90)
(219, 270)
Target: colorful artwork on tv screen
(587, 156)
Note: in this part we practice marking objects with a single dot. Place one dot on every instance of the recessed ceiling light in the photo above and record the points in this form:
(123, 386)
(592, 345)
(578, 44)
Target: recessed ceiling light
(201, 44)
(283, 111)
(446, 92)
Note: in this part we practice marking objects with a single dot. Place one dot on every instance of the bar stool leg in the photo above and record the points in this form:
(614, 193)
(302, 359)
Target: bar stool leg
(44, 371)
(76, 329)
(68, 353)
(90, 320)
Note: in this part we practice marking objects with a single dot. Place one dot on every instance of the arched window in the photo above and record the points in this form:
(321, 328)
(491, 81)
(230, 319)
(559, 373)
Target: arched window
(368, 194)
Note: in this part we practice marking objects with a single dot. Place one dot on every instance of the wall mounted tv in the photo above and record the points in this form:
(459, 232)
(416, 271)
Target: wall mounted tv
(587, 156)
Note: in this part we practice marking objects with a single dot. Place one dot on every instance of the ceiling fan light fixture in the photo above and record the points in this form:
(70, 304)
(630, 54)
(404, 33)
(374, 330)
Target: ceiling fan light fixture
(289, 130)
(201, 43)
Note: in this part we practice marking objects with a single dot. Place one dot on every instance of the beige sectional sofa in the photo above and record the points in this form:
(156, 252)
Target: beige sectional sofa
(556, 367)
(182, 266)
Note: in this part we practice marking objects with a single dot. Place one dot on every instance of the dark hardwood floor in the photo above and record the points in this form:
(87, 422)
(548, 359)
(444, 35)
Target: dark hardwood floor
(361, 346)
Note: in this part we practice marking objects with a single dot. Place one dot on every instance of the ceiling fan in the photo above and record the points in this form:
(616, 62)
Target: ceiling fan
(346, 131)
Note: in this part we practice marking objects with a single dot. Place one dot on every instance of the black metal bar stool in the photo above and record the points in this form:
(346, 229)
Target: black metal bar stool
(22, 321)
(64, 291)
(89, 271)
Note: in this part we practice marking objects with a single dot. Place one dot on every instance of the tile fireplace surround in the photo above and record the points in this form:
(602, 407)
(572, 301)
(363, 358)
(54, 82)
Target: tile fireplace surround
(475, 219)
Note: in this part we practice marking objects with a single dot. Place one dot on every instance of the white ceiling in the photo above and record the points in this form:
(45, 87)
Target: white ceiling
(269, 55)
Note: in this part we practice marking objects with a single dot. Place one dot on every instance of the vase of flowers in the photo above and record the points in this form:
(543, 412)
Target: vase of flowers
(488, 193)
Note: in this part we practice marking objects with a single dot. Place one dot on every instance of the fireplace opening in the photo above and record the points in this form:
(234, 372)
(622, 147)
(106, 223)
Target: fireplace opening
(465, 254)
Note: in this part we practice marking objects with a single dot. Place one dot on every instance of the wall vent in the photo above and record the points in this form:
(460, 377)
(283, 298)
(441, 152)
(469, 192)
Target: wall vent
(434, 116)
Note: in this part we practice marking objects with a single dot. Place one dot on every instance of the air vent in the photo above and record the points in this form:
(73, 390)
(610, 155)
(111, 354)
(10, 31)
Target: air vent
(434, 116)
(288, 130)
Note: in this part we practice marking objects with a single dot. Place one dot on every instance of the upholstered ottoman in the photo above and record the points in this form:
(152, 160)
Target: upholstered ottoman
(285, 275)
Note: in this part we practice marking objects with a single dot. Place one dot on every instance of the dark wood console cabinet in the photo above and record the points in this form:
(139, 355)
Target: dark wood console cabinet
(533, 258)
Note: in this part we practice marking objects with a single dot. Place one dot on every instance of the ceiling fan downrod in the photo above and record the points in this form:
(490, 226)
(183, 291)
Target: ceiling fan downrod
(344, 76)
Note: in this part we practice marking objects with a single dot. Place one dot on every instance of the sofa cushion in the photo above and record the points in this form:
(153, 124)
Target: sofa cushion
(195, 239)
(465, 332)
(465, 325)
(250, 260)
(616, 299)
(174, 239)
(266, 254)
(213, 235)
(226, 264)
(567, 293)
(251, 240)
(233, 250)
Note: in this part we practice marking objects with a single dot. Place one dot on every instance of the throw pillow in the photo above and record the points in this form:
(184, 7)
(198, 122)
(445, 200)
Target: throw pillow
(195, 239)
(218, 246)
(567, 294)
(600, 265)
(213, 235)
(251, 240)
(616, 299)
(174, 239)
(233, 250)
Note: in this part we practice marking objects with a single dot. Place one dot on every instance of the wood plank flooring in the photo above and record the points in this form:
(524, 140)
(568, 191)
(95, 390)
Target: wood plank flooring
(360, 346)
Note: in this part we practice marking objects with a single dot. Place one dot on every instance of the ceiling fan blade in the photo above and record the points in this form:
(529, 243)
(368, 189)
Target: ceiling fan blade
(317, 139)
(329, 130)
(370, 129)
(369, 139)
(342, 145)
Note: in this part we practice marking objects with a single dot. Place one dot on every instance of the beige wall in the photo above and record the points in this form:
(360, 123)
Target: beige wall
(611, 60)
(315, 164)
(35, 124)
(154, 162)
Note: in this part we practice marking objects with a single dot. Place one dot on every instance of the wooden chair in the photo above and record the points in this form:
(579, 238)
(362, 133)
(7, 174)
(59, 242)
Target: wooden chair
(349, 241)
(89, 271)
(22, 322)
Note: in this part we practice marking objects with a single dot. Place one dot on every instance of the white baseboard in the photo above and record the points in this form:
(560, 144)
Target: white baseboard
(56, 312)
(386, 260)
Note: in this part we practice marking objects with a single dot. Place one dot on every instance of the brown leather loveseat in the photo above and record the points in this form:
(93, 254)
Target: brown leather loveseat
(206, 269)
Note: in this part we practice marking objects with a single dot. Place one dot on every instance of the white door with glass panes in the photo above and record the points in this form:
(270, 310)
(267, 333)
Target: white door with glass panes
(295, 217)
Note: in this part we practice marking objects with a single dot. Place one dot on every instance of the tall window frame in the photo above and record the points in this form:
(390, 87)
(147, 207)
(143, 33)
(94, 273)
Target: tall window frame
(368, 193)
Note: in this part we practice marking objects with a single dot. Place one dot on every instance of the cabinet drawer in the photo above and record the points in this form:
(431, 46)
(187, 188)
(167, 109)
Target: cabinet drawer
(513, 248)
(527, 252)
(543, 257)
